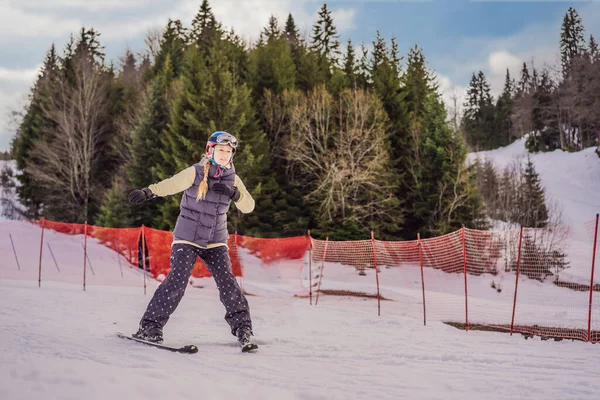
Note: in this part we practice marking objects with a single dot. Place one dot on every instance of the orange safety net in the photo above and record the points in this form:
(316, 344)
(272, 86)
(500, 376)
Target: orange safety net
(527, 280)
(271, 250)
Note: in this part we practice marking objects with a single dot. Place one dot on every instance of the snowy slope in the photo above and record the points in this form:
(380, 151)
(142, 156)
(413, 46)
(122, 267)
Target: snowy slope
(571, 180)
(58, 340)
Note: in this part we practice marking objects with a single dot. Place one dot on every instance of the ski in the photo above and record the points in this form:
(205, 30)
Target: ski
(249, 348)
(188, 349)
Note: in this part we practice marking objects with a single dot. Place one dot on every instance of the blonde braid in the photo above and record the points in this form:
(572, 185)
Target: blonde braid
(204, 184)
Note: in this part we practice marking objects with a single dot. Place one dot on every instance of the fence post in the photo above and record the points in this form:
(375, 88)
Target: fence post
(589, 336)
(322, 269)
(512, 321)
(144, 255)
(309, 268)
(464, 244)
(41, 249)
(14, 251)
(84, 252)
(376, 273)
(116, 247)
(420, 247)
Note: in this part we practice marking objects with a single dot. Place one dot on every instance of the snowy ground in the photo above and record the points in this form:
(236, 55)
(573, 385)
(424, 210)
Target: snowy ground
(58, 341)
(571, 181)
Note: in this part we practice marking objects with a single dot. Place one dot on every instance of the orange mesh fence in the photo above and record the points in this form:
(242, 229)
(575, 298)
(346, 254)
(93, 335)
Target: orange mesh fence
(444, 278)
(489, 294)
(547, 299)
(593, 235)
(537, 281)
(343, 268)
(279, 262)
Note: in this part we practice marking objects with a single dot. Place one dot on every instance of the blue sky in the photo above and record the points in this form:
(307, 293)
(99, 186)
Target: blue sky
(458, 37)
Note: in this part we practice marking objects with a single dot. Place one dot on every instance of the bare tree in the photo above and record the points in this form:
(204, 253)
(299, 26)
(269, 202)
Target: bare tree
(339, 148)
(152, 41)
(70, 153)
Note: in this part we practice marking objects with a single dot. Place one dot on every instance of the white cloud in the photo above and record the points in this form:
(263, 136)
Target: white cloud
(9, 102)
(26, 76)
(17, 25)
(87, 5)
(537, 44)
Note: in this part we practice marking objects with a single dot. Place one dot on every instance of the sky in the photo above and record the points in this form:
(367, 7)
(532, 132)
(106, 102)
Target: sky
(458, 37)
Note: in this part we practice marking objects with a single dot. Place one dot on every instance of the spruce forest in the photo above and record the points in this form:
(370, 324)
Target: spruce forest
(333, 137)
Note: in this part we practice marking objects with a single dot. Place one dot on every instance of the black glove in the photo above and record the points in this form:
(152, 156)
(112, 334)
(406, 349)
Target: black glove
(224, 189)
(138, 196)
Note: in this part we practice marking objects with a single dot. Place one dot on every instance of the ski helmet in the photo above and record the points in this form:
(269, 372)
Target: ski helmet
(223, 138)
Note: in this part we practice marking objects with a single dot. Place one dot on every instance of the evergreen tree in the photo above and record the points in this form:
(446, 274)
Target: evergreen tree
(34, 126)
(572, 41)
(291, 32)
(478, 117)
(525, 81)
(210, 100)
(532, 211)
(439, 190)
(593, 50)
(504, 109)
(350, 66)
(325, 37)
(172, 47)
(546, 133)
(206, 31)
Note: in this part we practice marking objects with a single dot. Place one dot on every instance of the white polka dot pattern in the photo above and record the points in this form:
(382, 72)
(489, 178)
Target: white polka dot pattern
(169, 293)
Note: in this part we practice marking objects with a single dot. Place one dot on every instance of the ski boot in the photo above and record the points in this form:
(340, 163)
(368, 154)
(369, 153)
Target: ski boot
(150, 334)
(243, 336)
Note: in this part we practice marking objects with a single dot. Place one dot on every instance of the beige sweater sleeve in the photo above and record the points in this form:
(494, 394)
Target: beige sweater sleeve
(184, 179)
(175, 184)
(245, 203)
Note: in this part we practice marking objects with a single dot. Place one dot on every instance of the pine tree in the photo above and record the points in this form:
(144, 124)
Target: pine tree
(350, 66)
(272, 66)
(34, 126)
(533, 212)
(324, 41)
(525, 81)
(206, 31)
(438, 188)
(572, 41)
(545, 136)
(211, 100)
(478, 118)
(291, 32)
(172, 46)
(504, 109)
(593, 50)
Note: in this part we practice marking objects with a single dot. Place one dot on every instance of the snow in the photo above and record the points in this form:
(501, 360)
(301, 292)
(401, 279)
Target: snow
(571, 181)
(58, 340)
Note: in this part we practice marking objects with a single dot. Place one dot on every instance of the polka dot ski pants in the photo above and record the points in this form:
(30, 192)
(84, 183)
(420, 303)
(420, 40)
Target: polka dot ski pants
(169, 293)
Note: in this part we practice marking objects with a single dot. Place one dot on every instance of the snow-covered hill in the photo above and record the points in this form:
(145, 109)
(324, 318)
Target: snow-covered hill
(571, 179)
(58, 341)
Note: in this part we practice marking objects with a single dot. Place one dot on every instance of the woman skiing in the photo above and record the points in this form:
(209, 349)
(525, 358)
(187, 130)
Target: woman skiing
(201, 231)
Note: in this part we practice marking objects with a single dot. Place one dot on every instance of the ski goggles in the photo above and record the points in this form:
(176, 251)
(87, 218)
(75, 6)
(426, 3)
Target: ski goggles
(227, 139)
